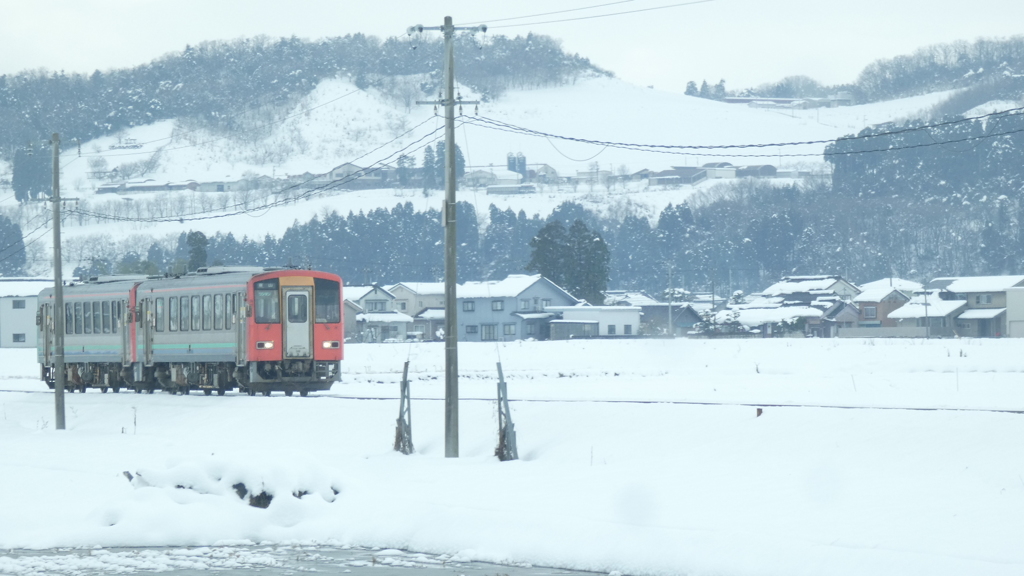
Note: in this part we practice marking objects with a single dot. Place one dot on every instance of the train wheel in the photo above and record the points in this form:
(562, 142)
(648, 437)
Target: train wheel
(207, 392)
(185, 391)
(138, 389)
(103, 389)
(266, 392)
(116, 389)
(303, 393)
(287, 392)
(252, 392)
(149, 390)
(221, 391)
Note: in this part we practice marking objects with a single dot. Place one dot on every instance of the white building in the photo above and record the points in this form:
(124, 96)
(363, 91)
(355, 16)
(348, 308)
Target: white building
(593, 321)
(18, 311)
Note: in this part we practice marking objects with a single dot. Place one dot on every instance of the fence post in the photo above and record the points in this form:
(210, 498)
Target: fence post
(403, 433)
(506, 449)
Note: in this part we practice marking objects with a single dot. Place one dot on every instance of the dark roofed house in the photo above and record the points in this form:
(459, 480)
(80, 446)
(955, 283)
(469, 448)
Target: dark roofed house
(759, 171)
(679, 175)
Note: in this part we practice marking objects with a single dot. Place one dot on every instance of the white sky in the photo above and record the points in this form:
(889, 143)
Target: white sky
(746, 42)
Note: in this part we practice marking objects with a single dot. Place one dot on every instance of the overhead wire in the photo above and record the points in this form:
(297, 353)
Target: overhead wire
(692, 2)
(547, 13)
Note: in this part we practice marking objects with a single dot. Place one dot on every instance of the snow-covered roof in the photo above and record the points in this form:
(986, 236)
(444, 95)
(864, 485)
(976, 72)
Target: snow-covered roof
(905, 286)
(431, 314)
(534, 315)
(981, 313)
(354, 293)
(964, 284)
(23, 286)
(876, 294)
(421, 288)
(383, 317)
(936, 307)
(633, 298)
(793, 284)
(510, 287)
(759, 316)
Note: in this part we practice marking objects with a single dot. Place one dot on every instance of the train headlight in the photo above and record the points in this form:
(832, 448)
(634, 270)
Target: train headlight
(331, 344)
(265, 345)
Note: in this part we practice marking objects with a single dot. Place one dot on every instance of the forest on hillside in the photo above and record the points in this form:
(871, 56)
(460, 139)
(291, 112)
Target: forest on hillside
(219, 85)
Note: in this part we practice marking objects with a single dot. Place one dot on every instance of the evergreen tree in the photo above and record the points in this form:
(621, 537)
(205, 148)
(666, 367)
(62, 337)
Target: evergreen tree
(718, 92)
(430, 169)
(196, 242)
(691, 89)
(588, 258)
(705, 90)
(404, 172)
(548, 256)
(12, 248)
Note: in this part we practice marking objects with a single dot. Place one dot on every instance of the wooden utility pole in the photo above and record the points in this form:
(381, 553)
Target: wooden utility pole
(58, 291)
(451, 325)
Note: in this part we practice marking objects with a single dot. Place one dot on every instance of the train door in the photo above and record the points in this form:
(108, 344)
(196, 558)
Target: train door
(125, 313)
(240, 323)
(298, 333)
(46, 325)
(146, 323)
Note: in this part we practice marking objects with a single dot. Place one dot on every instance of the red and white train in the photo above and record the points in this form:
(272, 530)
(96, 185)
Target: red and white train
(254, 329)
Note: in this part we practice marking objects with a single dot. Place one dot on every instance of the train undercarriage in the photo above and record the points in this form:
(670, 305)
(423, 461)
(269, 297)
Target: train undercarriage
(252, 378)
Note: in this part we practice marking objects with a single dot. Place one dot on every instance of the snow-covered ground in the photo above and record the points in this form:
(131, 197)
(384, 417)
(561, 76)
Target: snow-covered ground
(642, 456)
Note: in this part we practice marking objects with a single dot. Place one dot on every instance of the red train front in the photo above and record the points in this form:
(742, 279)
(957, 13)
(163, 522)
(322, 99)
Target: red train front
(295, 331)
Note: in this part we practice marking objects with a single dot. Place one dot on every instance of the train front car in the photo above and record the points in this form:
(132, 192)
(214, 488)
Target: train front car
(295, 331)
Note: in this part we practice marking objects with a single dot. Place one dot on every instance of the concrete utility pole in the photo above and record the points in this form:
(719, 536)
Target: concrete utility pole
(58, 291)
(451, 326)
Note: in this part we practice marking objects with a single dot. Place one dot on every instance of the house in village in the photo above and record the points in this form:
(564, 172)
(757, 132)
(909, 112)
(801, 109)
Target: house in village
(654, 314)
(18, 311)
(757, 171)
(491, 177)
(586, 321)
(876, 302)
(986, 302)
(509, 309)
(424, 301)
(720, 170)
(376, 320)
(678, 175)
(821, 305)
(933, 311)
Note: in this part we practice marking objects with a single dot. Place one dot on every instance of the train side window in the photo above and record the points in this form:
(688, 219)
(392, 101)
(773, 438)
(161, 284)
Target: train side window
(106, 317)
(160, 314)
(87, 316)
(327, 300)
(97, 318)
(197, 313)
(69, 319)
(172, 314)
(115, 315)
(78, 317)
(218, 312)
(207, 311)
(229, 310)
(184, 314)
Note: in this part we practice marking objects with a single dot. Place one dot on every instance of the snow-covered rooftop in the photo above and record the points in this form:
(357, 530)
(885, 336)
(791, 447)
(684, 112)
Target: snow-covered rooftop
(354, 293)
(935, 307)
(633, 298)
(23, 286)
(421, 288)
(981, 313)
(431, 314)
(877, 294)
(759, 316)
(510, 287)
(793, 284)
(383, 317)
(964, 284)
(905, 286)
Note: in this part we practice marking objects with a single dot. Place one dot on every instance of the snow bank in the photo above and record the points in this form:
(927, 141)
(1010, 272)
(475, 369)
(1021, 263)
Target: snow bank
(616, 473)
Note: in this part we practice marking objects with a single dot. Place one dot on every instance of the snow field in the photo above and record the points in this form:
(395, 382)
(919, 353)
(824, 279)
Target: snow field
(646, 486)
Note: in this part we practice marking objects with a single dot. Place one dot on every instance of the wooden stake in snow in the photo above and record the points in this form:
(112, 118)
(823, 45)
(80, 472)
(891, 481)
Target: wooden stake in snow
(506, 449)
(403, 433)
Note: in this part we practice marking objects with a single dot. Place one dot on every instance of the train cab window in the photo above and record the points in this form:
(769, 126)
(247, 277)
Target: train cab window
(218, 312)
(229, 310)
(184, 314)
(87, 316)
(160, 314)
(197, 313)
(97, 319)
(207, 312)
(268, 302)
(297, 308)
(106, 317)
(328, 300)
(69, 319)
(172, 314)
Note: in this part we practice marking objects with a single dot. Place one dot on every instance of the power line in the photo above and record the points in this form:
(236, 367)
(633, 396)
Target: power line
(549, 13)
(606, 15)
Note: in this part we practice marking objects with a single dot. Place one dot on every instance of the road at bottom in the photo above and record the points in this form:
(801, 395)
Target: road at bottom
(239, 560)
